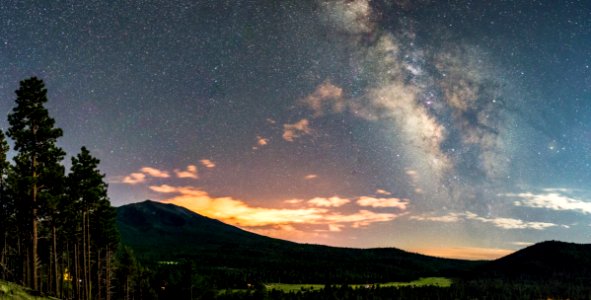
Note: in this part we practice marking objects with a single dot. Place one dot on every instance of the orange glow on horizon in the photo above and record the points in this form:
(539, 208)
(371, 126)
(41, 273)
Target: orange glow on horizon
(469, 253)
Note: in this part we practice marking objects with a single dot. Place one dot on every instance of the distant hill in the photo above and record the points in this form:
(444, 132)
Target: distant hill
(545, 260)
(165, 232)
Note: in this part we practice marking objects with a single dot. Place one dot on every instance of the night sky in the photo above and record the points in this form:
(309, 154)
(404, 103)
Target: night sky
(453, 128)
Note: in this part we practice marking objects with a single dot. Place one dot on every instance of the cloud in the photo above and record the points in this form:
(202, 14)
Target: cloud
(261, 141)
(143, 174)
(326, 97)
(382, 202)
(134, 178)
(190, 172)
(552, 201)
(238, 212)
(503, 223)
(310, 176)
(293, 201)
(335, 227)
(471, 253)
(207, 163)
(328, 202)
(295, 130)
(383, 192)
(525, 244)
(154, 172)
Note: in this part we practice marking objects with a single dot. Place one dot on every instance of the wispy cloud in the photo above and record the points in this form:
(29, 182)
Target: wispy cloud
(310, 176)
(134, 178)
(207, 163)
(552, 200)
(382, 202)
(189, 172)
(295, 130)
(504, 223)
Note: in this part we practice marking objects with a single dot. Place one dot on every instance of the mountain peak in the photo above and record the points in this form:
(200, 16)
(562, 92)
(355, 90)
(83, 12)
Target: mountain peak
(161, 231)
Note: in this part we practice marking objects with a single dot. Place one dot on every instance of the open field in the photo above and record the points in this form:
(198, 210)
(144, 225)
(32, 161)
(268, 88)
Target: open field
(428, 281)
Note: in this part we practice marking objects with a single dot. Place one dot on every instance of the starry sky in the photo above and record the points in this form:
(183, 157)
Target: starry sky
(452, 128)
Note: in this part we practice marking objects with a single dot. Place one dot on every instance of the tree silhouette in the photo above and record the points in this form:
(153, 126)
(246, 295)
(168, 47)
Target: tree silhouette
(35, 137)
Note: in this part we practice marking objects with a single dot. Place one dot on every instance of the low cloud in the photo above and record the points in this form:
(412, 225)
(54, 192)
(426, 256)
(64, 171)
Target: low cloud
(382, 202)
(314, 212)
(296, 130)
(503, 223)
(328, 202)
(552, 200)
(134, 178)
(189, 172)
(207, 163)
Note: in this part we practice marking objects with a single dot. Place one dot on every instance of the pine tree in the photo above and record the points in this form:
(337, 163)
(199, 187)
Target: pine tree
(6, 208)
(88, 192)
(35, 137)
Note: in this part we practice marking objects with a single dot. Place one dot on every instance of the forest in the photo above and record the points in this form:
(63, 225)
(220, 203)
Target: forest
(59, 234)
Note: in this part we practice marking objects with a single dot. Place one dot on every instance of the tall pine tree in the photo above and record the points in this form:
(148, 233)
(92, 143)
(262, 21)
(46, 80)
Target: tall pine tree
(6, 208)
(34, 134)
(88, 191)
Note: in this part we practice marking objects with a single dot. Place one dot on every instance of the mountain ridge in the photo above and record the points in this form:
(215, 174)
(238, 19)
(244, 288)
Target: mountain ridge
(158, 231)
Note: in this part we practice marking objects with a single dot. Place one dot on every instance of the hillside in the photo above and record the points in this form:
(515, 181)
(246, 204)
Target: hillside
(546, 260)
(13, 291)
(165, 232)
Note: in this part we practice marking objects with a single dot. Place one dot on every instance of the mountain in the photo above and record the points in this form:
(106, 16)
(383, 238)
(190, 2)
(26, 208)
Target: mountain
(545, 260)
(165, 232)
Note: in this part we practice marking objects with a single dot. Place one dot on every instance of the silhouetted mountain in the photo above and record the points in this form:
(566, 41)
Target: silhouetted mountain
(545, 260)
(165, 232)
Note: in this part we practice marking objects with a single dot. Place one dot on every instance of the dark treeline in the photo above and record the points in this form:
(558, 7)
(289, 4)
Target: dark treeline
(59, 234)
(462, 289)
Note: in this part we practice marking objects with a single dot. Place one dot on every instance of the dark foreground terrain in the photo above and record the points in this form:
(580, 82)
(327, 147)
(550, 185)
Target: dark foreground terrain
(181, 254)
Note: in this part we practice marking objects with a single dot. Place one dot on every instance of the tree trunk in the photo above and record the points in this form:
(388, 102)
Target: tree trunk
(76, 279)
(49, 271)
(4, 259)
(56, 272)
(33, 256)
(99, 274)
(108, 275)
(85, 270)
(88, 255)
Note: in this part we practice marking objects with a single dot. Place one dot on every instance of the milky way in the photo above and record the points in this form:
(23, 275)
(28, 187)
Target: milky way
(460, 128)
